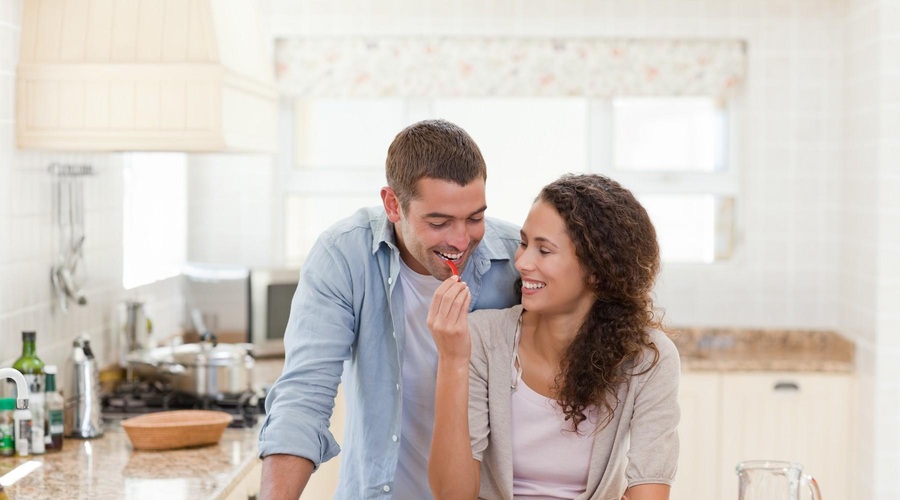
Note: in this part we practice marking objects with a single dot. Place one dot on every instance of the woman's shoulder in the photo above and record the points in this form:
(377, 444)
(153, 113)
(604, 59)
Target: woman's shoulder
(663, 343)
(492, 327)
(667, 358)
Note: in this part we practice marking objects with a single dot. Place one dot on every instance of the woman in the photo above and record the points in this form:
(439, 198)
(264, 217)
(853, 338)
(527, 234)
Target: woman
(572, 394)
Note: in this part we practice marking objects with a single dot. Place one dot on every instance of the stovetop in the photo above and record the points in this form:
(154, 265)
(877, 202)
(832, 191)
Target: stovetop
(131, 399)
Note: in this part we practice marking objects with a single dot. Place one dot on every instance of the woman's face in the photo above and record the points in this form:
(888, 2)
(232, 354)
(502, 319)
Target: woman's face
(552, 277)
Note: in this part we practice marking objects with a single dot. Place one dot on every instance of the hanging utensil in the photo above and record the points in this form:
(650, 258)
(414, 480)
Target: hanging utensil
(70, 223)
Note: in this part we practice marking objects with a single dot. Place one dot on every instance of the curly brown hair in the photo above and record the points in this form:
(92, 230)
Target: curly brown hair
(615, 243)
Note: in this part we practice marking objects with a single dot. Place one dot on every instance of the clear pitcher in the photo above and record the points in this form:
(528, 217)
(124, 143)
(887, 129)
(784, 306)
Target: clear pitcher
(771, 480)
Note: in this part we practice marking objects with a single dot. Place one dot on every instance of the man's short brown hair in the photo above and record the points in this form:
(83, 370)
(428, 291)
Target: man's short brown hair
(435, 149)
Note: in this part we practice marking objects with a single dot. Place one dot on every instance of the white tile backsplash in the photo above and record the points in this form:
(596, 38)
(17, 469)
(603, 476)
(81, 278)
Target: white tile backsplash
(889, 19)
(866, 297)
(28, 237)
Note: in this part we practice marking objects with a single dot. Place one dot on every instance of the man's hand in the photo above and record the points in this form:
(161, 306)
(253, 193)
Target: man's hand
(448, 321)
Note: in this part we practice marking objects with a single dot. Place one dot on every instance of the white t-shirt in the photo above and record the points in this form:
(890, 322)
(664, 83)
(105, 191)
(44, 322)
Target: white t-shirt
(550, 461)
(419, 369)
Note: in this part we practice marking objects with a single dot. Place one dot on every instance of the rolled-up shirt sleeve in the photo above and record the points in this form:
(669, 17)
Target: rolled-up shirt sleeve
(653, 453)
(317, 341)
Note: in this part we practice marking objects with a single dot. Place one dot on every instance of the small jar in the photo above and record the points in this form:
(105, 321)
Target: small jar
(22, 432)
(7, 445)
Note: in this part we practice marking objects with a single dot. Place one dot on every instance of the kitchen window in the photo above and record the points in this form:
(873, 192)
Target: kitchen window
(674, 153)
(155, 217)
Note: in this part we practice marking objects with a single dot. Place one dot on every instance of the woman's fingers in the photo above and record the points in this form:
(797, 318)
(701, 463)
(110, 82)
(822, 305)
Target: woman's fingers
(440, 295)
(448, 300)
(452, 302)
(447, 318)
(460, 308)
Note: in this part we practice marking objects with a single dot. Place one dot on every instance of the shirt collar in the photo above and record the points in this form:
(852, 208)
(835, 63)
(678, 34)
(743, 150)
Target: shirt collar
(383, 230)
(491, 247)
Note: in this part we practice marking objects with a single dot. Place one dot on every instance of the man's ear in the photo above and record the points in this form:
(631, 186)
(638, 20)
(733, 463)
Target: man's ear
(391, 204)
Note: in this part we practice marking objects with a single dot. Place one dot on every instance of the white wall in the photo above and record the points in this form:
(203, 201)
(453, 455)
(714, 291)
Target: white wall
(870, 243)
(231, 206)
(28, 239)
(233, 214)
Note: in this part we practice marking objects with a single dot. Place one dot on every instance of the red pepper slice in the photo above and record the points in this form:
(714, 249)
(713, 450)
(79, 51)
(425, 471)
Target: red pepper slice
(452, 267)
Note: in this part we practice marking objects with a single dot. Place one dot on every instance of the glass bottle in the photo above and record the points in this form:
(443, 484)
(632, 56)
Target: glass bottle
(55, 424)
(30, 365)
(32, 368)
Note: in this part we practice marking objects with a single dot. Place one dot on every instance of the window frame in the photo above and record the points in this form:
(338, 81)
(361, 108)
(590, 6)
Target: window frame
(724, 184)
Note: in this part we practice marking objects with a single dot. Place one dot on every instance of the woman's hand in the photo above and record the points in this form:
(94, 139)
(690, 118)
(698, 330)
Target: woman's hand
(448, 320)
(452, 472)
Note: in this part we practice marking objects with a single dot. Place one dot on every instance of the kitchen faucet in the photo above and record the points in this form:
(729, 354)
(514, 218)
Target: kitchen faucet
(21, 386)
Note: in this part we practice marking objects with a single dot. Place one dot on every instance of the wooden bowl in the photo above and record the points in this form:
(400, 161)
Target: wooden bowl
(169, 430)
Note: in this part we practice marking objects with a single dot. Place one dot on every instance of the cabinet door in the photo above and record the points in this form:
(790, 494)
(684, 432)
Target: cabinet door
(698, 433)
(795, 417)
(248, 488)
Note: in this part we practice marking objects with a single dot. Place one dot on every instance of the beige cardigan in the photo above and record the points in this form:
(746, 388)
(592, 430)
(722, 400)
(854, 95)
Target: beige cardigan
(640, 444)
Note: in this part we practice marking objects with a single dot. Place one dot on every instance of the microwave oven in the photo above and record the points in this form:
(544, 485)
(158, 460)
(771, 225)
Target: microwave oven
(271, 294)
(239, 304)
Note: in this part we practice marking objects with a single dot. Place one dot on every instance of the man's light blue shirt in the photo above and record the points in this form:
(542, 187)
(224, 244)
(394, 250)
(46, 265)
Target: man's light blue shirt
(346, 313)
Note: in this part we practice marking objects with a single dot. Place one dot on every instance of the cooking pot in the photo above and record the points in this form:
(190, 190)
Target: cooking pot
(203, 369)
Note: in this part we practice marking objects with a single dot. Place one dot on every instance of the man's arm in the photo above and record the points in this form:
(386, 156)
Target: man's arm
(300, 403)
(284, 477)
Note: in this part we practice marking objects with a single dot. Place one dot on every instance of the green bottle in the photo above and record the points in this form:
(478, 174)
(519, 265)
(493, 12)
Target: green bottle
(31, 366)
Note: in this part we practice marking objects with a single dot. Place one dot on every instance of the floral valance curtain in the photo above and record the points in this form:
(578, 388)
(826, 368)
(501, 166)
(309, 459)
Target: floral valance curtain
(508, 67)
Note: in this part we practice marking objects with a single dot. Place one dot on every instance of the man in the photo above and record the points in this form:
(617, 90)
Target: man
(362, 302)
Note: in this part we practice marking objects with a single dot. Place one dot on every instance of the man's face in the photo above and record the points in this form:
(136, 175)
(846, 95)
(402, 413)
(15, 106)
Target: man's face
(445, 222)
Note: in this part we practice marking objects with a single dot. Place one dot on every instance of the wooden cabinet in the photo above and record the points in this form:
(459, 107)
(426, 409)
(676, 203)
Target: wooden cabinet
(796, 417)
(732, 417)
(144, 75)
(698, 450)
(248, 487)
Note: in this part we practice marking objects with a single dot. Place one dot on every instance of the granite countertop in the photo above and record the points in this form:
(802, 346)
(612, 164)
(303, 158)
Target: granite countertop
(109, 468)
(726, 349)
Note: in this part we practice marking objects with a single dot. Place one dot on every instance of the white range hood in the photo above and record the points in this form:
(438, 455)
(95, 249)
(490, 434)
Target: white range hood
(144, 75)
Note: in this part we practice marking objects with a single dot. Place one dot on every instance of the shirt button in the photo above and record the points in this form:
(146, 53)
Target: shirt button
(398, 387)
(386, 488)
(390, 282)
(394, 438)
(394, 334)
